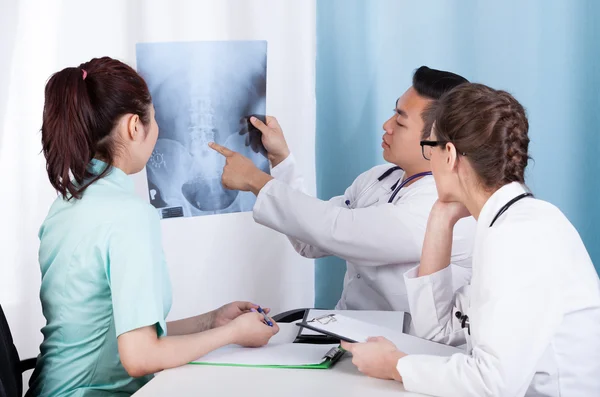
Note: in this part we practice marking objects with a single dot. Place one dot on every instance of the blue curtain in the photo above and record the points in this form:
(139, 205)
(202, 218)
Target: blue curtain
(545, 52)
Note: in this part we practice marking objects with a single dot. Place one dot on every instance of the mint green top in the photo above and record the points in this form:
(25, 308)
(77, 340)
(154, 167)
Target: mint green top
(103, 274)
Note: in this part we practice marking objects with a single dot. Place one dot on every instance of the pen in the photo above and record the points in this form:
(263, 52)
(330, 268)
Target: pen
(267, 319)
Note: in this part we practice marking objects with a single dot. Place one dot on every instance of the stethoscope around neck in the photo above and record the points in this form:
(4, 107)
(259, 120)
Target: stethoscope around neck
(395, 187)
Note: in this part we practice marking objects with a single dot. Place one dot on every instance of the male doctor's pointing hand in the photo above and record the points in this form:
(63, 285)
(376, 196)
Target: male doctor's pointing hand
(378, 225)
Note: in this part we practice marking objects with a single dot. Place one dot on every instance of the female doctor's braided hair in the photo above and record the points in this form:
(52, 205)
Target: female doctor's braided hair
(489, 127)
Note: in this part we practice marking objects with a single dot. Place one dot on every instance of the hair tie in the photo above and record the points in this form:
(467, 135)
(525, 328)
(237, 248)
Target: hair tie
(84, 73)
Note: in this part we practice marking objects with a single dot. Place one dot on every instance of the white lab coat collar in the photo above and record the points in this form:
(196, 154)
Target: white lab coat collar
(497, 201)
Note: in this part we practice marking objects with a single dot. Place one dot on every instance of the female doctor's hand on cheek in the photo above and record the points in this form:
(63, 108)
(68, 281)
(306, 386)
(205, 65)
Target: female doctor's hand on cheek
(239, 172)
(377, 358)
(448, 212)
(250, 330)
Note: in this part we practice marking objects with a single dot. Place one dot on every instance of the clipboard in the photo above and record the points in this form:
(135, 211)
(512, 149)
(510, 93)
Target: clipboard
(321, 338)
(356, 331)
(327, 334)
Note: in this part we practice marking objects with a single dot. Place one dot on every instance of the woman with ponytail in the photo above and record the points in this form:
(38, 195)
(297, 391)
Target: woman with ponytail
(105, 288)
(531, 316)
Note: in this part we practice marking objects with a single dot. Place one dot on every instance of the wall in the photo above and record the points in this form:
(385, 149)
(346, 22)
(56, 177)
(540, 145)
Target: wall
(213, 259)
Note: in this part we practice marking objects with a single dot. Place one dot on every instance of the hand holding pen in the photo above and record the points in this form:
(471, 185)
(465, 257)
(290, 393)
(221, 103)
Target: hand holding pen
(249, 329)
(267, 320)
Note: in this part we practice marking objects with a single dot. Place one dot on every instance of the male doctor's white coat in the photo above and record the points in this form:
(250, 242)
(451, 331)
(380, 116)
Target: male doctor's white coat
(379, 241)
(533, 308)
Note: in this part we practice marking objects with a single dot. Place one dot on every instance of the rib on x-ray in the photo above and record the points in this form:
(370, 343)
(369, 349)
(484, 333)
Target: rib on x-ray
(202, 92)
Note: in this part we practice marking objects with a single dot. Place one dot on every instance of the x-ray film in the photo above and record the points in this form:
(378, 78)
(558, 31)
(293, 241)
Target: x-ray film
(202, 92)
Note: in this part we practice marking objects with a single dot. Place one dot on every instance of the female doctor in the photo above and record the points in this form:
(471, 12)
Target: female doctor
(531, 316)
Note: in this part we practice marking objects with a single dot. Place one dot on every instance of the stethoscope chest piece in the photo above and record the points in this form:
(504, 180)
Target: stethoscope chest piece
(464, 321)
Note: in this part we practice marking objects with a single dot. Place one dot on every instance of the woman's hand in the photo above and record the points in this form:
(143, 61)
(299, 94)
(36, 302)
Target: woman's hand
(225, 314)
(250, 330)
(448, 212)
(437, 245)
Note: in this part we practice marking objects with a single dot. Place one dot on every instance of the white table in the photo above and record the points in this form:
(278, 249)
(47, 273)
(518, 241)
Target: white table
(341, 380)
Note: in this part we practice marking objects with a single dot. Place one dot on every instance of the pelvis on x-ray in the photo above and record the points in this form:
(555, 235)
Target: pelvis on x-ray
(202, 92)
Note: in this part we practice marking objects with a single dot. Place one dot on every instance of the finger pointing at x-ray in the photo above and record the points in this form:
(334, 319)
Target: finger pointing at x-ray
(239, 173)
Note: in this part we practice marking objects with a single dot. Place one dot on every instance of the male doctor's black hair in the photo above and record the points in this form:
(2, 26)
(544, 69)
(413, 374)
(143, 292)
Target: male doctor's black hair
(432, 83)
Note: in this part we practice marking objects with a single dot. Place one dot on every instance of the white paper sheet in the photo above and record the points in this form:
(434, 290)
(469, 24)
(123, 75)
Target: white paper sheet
(272, 354)
(388, 319)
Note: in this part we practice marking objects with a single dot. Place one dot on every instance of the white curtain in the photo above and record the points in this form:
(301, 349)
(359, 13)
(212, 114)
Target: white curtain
(212, 259)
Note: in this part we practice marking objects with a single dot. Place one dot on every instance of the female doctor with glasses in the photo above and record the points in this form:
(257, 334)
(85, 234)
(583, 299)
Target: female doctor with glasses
(531, 315)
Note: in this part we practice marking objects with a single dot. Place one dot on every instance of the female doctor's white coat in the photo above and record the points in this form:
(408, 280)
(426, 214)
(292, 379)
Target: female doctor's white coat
(533, 307)
(378, 240)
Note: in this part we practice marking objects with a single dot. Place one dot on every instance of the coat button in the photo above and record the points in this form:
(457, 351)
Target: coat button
(358, 275)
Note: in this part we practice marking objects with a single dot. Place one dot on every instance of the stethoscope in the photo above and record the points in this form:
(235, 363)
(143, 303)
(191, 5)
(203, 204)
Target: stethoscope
(396, 187)
(463, 318)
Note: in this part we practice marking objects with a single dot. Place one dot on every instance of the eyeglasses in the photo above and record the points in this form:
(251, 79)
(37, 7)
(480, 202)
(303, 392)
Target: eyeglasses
(427, 145)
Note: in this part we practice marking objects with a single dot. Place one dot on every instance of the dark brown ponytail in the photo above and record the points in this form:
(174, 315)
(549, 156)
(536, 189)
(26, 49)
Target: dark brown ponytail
(82, 106)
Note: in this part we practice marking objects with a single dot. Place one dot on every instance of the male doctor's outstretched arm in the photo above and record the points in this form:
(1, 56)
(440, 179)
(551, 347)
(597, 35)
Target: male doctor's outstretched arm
(284, 169)
(369, 236)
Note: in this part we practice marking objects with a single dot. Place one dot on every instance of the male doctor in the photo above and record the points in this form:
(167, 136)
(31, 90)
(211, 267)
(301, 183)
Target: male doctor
(378, 225)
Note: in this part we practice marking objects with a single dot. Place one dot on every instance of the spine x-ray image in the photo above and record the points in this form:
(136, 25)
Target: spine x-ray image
(202, 92)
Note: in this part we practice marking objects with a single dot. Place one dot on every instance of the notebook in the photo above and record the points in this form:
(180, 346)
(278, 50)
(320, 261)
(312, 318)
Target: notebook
(277, 355)
(352, 330)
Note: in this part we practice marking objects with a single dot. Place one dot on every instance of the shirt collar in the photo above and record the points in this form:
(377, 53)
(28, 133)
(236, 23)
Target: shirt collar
(498, 200)
(115, 175)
